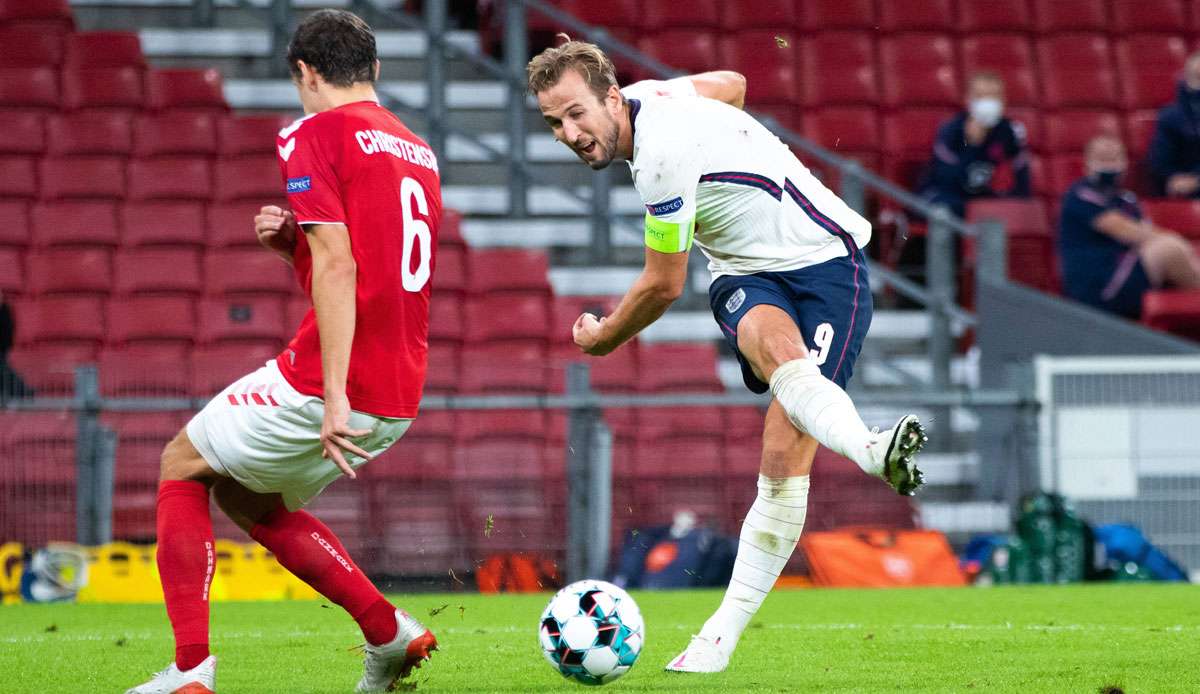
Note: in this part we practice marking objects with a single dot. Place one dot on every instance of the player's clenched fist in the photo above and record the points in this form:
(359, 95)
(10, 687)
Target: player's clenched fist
(276, 230)
(586, 333)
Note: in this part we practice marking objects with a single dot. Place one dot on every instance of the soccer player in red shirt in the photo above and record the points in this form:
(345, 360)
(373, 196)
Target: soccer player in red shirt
(365, 205)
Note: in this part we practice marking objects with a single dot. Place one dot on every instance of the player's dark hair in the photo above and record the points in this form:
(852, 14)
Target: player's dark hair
(337, 44)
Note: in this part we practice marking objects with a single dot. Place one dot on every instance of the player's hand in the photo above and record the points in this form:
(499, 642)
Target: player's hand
(1182, 185)
(276, 229)
(336, 433)
(587, 334)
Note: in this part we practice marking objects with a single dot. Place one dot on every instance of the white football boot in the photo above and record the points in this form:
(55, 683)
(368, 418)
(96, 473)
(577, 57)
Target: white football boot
(898, 460)
(702, 655)
(199, 680)
(387, 664)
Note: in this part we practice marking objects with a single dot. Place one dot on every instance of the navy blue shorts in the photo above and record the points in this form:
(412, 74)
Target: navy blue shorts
(830, 302)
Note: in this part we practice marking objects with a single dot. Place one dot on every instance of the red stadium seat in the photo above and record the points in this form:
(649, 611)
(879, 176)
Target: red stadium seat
(179, 132)
(164, 223)
(151, 319)
(69, 271)
(505, 367)
(50, 368)
(444, 370)
(16, 231)
(505, 269)
(667, 15)
(916, 15)
(1062, 171)
(246, 271)
(1068, 132)
(1070, 15)
(839, 68)
(159, 270)
(1182, 216)
(614, 373)
(60, 319)
(507, 316)
(75, 223)
(232, 224)
(502, 459)
(844, 130)
(26, 87)
(678, 366)
(257, 320)
(993, 15)
(248, 178)
(215, 368)
(451, 272)
(104, 49)
(445, 317)
(41, 487)
(31, 48)
(676, 438)
(1031, 242)
(49, 16)
(607, 13)
(786, 116)
(762, 14)
(250, 134)
(919, 70)
(22, 132)
(94, 132)
(1011, 56)
(12, 280)
(149, 371)
(826, 15)
(911, 133)
(450, 231)
(1176, 311)
(1140, 125)
(170, 178)
(1077, 71)
(190, 89)
(768, 61)
(109, 87)
(1148, 68)
(689, 50)
(20, 177)
(82, 177)
(1129, 16)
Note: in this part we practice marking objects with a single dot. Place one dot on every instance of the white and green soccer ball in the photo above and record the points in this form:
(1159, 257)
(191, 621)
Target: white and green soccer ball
(592, 632)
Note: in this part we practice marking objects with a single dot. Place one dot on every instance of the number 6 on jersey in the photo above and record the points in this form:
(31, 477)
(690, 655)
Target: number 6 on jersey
(415, 231)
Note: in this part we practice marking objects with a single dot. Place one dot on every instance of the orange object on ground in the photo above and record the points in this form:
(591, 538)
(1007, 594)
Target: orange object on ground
(516, 573)
(875, 558)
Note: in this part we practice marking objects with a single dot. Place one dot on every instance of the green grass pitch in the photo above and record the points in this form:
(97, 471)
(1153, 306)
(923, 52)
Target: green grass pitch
(1140, 638)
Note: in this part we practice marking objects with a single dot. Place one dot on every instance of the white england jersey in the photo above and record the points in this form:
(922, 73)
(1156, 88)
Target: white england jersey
(702, 164)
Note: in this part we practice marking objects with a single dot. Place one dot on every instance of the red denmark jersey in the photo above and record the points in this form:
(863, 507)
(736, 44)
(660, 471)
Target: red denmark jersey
(358, 165)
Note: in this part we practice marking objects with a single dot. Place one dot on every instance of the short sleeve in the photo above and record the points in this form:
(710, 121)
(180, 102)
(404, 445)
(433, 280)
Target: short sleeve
(666, 181)
(310, 181)
(679, 86)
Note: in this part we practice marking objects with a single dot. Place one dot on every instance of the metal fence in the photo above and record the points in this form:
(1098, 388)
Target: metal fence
(1117, 437)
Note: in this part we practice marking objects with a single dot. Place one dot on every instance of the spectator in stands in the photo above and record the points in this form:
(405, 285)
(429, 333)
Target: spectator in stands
(1110, 254)
(11, 385)
(978, 153)
(1175, 150)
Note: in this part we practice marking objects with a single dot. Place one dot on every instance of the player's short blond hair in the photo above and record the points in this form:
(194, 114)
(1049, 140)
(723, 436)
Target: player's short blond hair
(548, 67)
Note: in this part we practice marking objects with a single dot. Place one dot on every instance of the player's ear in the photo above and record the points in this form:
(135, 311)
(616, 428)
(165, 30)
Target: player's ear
(378, 67)
(613, 99)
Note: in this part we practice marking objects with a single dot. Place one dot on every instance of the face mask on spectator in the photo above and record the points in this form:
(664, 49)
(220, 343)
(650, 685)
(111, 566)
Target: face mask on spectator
(1108, 178)
(986, 111)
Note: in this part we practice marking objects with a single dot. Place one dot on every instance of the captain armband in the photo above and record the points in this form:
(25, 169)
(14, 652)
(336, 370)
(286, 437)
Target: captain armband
(669, 237)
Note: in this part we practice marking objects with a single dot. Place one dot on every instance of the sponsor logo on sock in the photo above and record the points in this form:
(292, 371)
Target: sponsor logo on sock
(208, 571)
(333, 553)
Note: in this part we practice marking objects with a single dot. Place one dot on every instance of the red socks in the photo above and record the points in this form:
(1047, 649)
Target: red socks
(185, 565)
(307, 548)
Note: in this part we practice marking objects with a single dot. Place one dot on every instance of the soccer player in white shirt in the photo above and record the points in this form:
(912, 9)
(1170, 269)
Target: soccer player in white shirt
(789, 287)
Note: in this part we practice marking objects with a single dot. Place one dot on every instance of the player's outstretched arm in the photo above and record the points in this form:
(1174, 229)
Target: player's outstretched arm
(334, 279)
(659, 285)
(722, 85)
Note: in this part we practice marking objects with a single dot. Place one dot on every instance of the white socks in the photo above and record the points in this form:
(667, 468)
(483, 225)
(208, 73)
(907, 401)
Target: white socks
(769, 534)
(821, 409)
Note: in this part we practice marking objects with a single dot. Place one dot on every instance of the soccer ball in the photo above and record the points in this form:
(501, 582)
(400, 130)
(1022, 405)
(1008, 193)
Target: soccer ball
(592, 632)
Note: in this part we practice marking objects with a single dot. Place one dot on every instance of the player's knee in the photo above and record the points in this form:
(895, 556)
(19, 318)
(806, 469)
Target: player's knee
(771, 351)
(180, 461)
